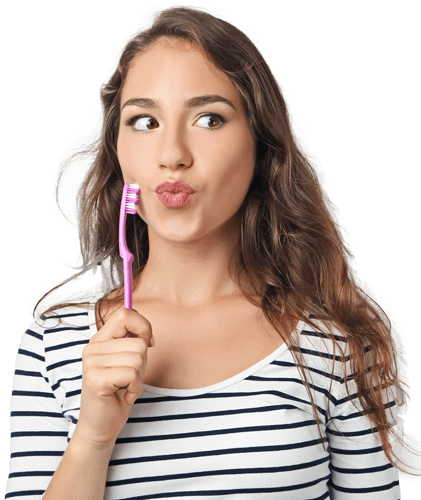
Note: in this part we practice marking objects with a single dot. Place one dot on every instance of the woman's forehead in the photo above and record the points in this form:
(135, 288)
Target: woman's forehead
(166, 72)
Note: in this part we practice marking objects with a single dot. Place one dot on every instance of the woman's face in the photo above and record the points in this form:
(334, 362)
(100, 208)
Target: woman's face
(173, 141)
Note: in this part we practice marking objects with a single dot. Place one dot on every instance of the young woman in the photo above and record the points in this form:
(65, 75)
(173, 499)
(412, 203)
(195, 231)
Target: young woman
(255, 367)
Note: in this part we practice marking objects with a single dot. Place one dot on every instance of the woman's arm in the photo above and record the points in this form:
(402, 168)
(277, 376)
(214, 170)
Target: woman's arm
(39, 430)
(359, 466)
(82, 472)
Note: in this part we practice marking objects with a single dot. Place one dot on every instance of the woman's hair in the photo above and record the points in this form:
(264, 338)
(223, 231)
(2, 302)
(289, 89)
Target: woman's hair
(289, 239)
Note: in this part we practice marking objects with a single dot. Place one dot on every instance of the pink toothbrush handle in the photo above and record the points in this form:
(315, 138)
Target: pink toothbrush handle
(128, 282)
(125, 254)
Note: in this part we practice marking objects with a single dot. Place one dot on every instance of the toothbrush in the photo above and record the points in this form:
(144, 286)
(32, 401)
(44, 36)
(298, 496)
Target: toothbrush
(129, 200)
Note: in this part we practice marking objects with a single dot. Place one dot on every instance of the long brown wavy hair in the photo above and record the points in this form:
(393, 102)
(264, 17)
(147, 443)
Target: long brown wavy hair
(289, 237)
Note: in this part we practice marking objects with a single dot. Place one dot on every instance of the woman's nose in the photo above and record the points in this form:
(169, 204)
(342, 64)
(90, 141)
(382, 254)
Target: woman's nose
(173, 150)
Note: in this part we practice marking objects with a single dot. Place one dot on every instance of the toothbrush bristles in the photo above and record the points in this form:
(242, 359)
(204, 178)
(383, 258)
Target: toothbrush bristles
(132, 198)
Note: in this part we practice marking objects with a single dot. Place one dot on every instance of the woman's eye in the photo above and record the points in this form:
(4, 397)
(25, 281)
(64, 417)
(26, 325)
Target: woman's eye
(140, 122)
(210, 119)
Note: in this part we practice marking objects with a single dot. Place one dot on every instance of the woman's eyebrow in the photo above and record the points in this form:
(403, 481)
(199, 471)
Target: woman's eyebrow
(146, 102)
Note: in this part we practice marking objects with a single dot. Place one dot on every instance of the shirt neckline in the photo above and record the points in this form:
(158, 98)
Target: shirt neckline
(164, 391)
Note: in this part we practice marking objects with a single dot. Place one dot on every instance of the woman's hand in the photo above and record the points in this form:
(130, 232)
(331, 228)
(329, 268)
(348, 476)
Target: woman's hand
(113, 367)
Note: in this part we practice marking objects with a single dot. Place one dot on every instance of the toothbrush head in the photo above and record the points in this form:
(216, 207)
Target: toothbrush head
(129, 200)
(132, 198)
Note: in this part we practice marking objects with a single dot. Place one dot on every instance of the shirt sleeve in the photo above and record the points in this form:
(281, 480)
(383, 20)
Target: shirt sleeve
(39, 431)
(359, 466)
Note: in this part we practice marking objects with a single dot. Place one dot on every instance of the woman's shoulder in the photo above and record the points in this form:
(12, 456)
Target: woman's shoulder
(322, 346)
(61, 324)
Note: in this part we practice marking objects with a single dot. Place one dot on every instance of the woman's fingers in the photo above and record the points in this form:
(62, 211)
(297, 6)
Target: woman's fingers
(121, 322)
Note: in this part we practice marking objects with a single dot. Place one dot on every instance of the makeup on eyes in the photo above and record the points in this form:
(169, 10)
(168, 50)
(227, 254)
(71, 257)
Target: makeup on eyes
(131, 121)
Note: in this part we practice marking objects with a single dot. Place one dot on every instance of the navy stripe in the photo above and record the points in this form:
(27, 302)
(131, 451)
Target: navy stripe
(319, 354)
(71, 394)
(368, 470)
(311, 333)
(373, 489)
(35, 414)
(23, 493)
(330, 376)
(365, 451)
(209, 453)
(27, 373)
(31, 354)
(66, 345)
(215, 432)
(66, 328)
(70, 315)
(34, 473)
(249, 470)
(38, 434)
(60, 364)
(186, 416)
(235, 491)
(55, 386)
(37, 454)
(36, 335)
(33, 394)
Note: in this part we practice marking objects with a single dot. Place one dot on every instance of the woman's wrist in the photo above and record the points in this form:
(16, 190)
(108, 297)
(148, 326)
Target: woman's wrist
(87, 441)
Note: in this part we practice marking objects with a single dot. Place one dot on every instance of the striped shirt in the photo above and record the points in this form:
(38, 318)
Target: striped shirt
(253, 436)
